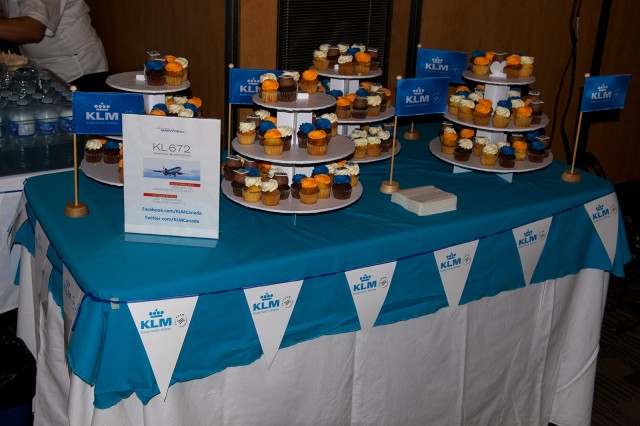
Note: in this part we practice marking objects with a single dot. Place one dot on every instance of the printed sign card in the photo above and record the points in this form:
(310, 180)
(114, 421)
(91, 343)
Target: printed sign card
(530, 240)
(369, 287)
(454, 264)
(604, 215)
(162, 326)
(72, 296)
(172, 170)
(271, 307)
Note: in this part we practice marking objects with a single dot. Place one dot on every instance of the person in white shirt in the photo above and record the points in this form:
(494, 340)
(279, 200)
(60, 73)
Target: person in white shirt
(57, 35)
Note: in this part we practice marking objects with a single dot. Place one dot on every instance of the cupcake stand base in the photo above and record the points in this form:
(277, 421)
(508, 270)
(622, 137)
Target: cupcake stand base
(474, 163)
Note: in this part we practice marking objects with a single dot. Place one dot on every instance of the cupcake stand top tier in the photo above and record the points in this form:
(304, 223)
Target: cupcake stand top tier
(134, 81)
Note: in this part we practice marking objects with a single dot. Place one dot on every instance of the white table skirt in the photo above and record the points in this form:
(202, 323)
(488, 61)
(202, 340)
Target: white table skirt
(524, 357)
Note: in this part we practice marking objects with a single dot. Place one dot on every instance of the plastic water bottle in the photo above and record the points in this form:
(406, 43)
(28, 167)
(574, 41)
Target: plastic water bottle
(65, 122)
(46, 121)
(22, 123)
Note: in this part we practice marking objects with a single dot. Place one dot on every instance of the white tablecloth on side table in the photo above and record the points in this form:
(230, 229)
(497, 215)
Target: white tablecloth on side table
(521, 357)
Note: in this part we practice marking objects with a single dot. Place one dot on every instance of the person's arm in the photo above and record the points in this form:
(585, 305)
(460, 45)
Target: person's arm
(23, 29)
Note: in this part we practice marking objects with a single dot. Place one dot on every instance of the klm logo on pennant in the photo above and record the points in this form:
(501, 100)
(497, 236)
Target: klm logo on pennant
(453, 261)
(365, 284)
(156, 321)
(602, 212)
(437, 64)
(251, 87)
(266, 302)
(101, 113)
(529, 237)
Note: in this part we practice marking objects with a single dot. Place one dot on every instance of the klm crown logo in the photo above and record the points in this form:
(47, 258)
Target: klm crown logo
(451, 261)
(101, 113)
(156, 321)
(437, 60)
(253, 81)
(418, 97)
(266, 302)
(600, 213)
(529, 237)
(156, 313)
(365, 283)
(602, 88)
(418, 91)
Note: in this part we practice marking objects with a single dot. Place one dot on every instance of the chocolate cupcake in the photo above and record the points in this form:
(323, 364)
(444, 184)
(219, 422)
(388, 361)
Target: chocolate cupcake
(359, 107)
(287, 87)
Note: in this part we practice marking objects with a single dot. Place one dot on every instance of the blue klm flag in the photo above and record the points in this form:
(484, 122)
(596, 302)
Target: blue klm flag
(244, 83)
(605, 92)
(441, 63)
(100, 113)
(418, 96)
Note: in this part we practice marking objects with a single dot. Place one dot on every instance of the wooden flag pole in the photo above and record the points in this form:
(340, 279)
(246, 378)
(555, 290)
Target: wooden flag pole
(229, 125)
(411, 134)
(573, 176)
(389, 186)
(76, 209)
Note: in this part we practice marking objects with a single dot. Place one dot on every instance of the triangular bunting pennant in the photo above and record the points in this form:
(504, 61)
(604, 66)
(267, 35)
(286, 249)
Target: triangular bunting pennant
(454, 264)
(271, 307)
(42, 245)
(163, 325)
(72, 296)
(604, 215)
(530, 240)
(19, 219)
(369, 287)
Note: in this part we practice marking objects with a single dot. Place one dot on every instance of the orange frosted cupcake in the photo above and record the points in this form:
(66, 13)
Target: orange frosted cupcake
(324, 185)
(269, 92)
(521, 150)
(309, 82)
(481, 114)
(173, 73)
(363, 63)
(317, 144)
(513, 67)
(343, 107)
(522, 116)
(480, 65)
(467, 133)
(273, 143)
(449, 143)
(309, 191)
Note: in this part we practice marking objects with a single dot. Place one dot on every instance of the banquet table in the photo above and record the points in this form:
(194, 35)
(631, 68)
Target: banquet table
(512, 350)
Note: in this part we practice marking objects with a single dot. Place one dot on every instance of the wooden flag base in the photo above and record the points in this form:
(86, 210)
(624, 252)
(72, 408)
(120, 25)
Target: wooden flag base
(76, 210)
(411, 135)
(389, 187)
(571, 176)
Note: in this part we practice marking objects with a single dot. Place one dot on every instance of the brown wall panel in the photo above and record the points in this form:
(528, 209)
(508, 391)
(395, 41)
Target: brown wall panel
(196, 32)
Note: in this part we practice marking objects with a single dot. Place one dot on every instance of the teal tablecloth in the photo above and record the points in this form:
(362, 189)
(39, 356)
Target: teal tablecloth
(257, 248)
